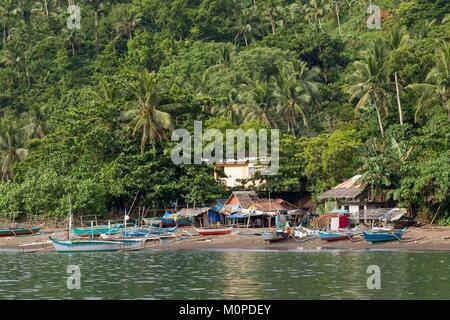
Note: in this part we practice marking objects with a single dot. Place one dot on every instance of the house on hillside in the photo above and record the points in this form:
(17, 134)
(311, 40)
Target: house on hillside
(231, 173)
(352, 196)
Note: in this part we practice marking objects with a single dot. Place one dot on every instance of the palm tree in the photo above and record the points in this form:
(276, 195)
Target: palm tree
(436, 89)
(369, 81)
(36, 122)
(260, 100)
(73, 40)
(246, 27)
(397, 38)
(272, 12)
(11, 146)
(231, 107)
(127, 20)
(315, 11)
(296, 87)
(6, 11)
(105, 91)
(147, 114)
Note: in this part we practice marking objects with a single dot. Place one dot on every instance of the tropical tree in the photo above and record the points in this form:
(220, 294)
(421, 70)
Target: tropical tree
(148, 114)
(73, 40)
(397, 38)
(126, 20)
(36, 122)
(230, 108)
(11, 146)
(436, 89)
(369, 81)
(314, 12)
(259, 101)
(246, 27)
(272, 11)
(296, 87)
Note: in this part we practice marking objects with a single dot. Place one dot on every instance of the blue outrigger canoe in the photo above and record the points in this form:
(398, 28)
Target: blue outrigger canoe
(335, 235)
(143, 232)
(374, 236)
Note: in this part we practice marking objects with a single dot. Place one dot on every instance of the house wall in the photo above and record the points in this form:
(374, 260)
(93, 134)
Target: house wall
(357, 209)
(235, 172)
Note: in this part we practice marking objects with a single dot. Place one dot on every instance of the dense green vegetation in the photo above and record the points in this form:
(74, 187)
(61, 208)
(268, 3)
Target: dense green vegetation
(87, 113)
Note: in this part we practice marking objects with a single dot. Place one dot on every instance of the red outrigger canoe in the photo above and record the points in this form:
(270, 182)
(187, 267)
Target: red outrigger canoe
(214, 231)
(18, 230)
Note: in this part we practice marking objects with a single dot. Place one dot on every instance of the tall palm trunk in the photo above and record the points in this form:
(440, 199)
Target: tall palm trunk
(97, 38)
(272, 21)
(400, 114)
(380, 122)
(46, 8)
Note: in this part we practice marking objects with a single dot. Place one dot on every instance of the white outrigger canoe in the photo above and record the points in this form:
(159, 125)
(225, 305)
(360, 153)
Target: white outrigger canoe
(64, 246)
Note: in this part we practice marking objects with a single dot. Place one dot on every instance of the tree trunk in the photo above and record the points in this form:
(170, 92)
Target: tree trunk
(380, 123)
(338, 20)
(97, 39)
(400, 114)
(246, 42)
(272, 22)
(46, 8)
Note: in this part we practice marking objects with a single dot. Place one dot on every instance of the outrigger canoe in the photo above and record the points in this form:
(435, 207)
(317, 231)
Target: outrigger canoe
(272, 236)
(97, 231)
(335, 235)
(18, 230)
(213, 231)
(81, 245)
(382, 235)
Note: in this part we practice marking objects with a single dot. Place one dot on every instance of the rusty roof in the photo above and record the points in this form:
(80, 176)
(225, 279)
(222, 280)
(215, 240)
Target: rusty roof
(244, 198)
(349, 189)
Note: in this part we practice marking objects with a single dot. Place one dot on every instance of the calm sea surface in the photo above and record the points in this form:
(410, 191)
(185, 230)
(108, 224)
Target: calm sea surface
(226, 275)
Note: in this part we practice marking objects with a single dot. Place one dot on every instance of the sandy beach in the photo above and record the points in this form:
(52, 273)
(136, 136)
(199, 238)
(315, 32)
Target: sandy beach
(429, 238)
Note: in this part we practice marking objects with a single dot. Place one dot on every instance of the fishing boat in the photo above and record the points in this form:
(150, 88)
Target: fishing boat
(158, 230)
(144, 232)
(97, 231)
(272, 236)
(213, 231)
(85, 245)
(182, 222)
(382, 235)
(135, 232)
(132, 244)
(335, 235)
(18, 230)
(152, 221)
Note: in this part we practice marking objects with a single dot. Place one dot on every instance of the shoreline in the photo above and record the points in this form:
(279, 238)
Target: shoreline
(428, 239)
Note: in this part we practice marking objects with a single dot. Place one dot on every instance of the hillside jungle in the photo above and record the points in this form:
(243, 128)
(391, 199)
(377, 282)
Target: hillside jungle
(86, 114)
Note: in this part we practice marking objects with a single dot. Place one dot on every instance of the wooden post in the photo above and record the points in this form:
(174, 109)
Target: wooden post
(398, 99)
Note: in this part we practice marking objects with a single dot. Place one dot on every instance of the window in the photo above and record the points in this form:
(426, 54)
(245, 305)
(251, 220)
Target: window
(347, 208)
(361, 208)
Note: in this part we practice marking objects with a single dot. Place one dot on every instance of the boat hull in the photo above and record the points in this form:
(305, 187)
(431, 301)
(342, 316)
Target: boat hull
(19, 231)
(375, 237)
(68, 246)
(274, 236)
(334, 236)
(172, 223)
(213, 232)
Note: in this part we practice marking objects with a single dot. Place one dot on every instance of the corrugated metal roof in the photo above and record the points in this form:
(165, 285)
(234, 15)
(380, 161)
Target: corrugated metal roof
(349, 189)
